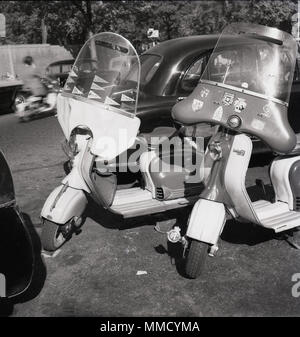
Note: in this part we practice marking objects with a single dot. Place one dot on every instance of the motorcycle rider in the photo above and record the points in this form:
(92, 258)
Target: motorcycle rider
(32, 81)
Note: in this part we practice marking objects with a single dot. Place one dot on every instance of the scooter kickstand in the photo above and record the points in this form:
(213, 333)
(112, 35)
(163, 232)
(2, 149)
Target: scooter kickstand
(294, 244)
(290, 239)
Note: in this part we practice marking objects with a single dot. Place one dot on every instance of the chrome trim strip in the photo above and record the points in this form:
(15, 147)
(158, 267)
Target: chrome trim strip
(245, 91)
(105, 106)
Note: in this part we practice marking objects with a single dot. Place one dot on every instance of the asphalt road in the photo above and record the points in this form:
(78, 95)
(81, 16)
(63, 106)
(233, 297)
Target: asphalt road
(96, 273)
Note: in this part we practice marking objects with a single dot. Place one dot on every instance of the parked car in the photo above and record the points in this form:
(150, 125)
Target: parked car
(8, 92)
(171, 70)
(59, 70)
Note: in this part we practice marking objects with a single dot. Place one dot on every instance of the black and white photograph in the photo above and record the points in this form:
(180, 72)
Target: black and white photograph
(149, 162)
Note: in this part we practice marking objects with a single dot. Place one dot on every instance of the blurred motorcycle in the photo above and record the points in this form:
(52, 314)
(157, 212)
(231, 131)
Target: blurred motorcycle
(28, 107)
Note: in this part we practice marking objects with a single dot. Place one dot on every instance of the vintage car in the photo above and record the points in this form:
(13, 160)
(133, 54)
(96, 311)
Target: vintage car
(171, 70)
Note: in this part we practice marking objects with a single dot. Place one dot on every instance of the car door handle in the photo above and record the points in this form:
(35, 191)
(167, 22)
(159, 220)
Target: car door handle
(181, 98)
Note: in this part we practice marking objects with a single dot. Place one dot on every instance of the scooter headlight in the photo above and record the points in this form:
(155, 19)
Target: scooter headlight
(234, 121)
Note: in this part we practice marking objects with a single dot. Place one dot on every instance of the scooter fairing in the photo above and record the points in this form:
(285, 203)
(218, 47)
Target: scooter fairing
(246, 85)
(101, 94)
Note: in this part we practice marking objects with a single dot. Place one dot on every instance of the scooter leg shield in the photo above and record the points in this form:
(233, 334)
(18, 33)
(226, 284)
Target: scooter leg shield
(206, 221)
(63, 204)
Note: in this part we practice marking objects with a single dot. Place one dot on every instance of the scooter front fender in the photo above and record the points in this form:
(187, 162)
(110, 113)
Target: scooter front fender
(206, 221)
(63, 204)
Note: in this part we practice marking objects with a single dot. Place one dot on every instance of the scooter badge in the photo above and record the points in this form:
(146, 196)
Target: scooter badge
(266, 113)
(239, 105)
(204, 92)
(197, 105)
(228, 98)
(218, 114)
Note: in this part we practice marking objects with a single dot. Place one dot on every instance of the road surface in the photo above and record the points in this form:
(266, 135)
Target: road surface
(124, 268)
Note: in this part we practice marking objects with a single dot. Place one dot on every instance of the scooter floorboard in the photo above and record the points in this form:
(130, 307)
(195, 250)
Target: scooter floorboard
(276, 216)
(137, 202)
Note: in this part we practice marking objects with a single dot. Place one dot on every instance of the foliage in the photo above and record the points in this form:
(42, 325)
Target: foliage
(71, 22)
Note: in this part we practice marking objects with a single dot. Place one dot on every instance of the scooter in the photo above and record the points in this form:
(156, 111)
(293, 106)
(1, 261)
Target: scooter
(127, 173)
(28, 107)
(16, 249)
(245, 92)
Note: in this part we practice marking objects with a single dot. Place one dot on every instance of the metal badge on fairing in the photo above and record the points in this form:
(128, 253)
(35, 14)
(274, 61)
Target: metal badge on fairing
(228, 98)
(239, 105)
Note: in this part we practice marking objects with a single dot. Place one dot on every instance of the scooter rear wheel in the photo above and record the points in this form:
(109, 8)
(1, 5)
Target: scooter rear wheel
(196, 258)
(52, 236)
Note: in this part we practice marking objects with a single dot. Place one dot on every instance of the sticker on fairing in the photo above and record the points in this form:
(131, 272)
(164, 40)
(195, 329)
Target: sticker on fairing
(93, 95)
(99, 79)
(204, 92)
(228, 98)
(72, 73)
(239, 105)
(96, 87)
(257, 124)
(197, 105)
(266, 113)
(67, 87)
(125, 98)
(76, 91)
(218, 114)
(70, 80)
(110, 101)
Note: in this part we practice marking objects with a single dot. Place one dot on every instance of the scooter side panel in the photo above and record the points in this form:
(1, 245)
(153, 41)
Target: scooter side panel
(206, 221)
(63, 204)
(280, 177)
(235, 175)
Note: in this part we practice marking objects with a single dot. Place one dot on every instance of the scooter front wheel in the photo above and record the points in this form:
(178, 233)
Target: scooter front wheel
(53, 235)
(195, 260)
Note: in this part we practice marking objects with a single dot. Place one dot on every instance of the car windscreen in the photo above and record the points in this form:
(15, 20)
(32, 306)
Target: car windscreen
(260, 61)
(149, 65)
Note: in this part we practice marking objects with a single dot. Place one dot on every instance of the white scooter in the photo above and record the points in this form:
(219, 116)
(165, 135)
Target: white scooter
(245, 90)
(123, 171)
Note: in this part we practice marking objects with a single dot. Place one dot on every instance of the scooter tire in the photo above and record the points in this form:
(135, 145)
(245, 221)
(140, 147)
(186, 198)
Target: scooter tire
(52, 237)
(196, 258)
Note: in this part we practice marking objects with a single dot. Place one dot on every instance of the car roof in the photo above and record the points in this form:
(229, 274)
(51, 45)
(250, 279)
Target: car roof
(181, 52)
(68, 61)
(183, 45)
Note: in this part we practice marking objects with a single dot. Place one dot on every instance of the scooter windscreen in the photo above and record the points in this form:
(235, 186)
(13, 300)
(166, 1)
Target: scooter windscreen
(16, 250)
(101, 91)
(246, 85)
